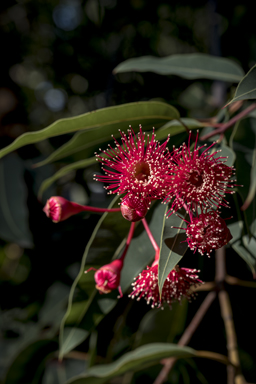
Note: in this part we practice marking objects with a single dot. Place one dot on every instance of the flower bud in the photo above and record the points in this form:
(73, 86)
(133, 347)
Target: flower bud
(107, 277)
(58, 209)
(134, 208)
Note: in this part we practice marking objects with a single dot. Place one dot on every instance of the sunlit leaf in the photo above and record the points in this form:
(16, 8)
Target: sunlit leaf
(246, 89)
(189, 66)
(173, 246)
(116, 117)
(140, 358)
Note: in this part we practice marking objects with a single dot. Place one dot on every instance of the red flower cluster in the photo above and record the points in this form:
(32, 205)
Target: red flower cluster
(144, 170)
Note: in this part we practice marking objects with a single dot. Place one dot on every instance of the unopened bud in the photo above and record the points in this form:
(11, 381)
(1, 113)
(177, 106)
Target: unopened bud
(58, 209)
(134, 209)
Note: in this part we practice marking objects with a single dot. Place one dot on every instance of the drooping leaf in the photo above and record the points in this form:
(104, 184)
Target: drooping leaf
(138, 359)
(14, 213)
(246, 89)
(27, 365)
(189, 66)
(115, 117)
(173, 246)
(73, 337)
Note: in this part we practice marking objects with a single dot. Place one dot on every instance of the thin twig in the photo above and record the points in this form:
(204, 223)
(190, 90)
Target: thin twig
(223, 127)
(233, 371)
(242, 283)
(188, 333)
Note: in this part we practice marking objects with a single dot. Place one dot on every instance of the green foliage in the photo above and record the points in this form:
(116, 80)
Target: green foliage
(190, 66)
(246, 88)
(138, 359)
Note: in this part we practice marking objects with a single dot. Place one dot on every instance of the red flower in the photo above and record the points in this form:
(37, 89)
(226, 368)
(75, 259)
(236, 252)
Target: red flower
(107, 278)
(198, 180)
(139, 167)
(176, 286)
(206, 232)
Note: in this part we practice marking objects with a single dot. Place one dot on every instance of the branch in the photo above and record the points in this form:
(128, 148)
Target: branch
(190, 330)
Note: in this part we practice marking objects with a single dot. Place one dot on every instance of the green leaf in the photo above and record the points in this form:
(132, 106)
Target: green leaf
(246, 89)
(27, 365)
(173, 246)
(62, 172)
(14, 215)
(141, 252)
(155, 325)
(138, 359)
(86, 306)
(189, 66)
(73, 337)
(175, 127)
(244, 247)
(115, 117)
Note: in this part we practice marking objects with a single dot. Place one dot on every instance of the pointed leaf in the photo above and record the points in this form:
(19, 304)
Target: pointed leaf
(246, 89)
(117, 117)
(173, 247)
(189, 66)
(175, 127)
(138, 359)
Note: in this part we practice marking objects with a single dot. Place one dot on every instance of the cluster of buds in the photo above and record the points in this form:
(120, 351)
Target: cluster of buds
(143, 170)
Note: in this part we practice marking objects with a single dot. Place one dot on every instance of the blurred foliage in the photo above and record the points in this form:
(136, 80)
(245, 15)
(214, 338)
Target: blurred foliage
(58, 62)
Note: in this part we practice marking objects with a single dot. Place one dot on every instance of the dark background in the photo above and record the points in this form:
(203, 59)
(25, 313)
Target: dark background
(57, 61)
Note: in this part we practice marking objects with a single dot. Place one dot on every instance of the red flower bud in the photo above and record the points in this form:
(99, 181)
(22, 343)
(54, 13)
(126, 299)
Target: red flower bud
(107, 277)
(134, 208)
(58, 209)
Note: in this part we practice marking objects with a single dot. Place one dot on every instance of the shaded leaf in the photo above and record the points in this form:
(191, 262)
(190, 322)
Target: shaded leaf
(73, 337)
(116, 117)
(246, 89)
(244, 247)
(189, 66)
(173, 247)
(14, 215)
(138, 359)
(27, 365)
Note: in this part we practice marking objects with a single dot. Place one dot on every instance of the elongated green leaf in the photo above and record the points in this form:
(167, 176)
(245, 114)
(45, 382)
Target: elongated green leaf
(246, 89)
(173, 247)
(189, 66)
(86, 142)
(117, 117)
(62, 172)
(107, 236)
(86, 306)
(140, 358)
(252, 188)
